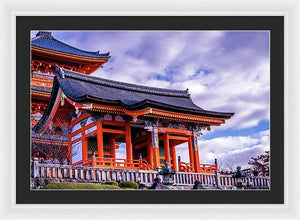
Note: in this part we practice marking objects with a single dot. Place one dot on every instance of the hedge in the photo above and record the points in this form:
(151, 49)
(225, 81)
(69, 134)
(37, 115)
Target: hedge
(113, 183)
(70, 185)
(130, 184)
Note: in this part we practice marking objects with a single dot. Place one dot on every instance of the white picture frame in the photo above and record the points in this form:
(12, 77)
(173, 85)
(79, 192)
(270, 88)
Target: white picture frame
(11, 8)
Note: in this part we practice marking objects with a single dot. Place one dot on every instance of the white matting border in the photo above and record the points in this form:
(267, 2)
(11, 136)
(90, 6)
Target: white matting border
(9, 9)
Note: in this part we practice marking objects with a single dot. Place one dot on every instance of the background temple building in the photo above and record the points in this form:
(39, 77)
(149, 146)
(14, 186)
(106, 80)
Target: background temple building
(91, 116)
(46, 52)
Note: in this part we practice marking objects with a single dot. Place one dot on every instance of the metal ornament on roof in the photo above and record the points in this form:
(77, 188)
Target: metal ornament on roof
(62, 99)
(88, 106)
(59, 71)
(76, 110)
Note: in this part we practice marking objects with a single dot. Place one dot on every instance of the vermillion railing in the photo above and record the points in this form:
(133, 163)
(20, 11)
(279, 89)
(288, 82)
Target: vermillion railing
(185, 167)
(208, 168)
(203, 168)
(116, 163)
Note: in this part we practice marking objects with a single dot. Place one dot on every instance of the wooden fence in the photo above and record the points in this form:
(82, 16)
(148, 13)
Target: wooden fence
(96, 174)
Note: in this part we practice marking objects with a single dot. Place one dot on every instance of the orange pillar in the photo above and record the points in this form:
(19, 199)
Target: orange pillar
(99, 138)
(196, 152)
(93, 162)
(84, 146)
(70, 150)
(174, 158)
(167, 148)
(191, 150)
(197, 162)
(149, 151)
(112, 145)
(155, 146)
(128, 141)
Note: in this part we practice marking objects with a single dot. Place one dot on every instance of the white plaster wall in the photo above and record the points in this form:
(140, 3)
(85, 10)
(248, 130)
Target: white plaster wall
(91, 129)
(76, 127)
(89, 121)
(76, 151)
(76, 136)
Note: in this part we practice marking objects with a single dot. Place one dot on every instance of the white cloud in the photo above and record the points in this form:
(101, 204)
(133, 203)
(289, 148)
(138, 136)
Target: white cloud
(231, 150)
(224, 71)
(232, 78)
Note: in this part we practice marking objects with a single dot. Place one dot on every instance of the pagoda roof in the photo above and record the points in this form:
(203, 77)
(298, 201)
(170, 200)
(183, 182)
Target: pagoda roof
(45, 40)
(49, 138)
(83, 88)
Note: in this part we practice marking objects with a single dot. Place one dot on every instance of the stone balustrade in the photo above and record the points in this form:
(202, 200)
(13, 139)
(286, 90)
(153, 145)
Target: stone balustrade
(96, 174)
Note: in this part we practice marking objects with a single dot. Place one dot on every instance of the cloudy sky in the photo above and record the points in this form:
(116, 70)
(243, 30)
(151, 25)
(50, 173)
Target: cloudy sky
(224, 71)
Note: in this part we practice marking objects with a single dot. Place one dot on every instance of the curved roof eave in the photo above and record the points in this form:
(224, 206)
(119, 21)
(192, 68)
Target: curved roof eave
(46, 41)
(179, 96)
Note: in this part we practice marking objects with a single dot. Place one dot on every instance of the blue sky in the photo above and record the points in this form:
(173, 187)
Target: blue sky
(223, 70)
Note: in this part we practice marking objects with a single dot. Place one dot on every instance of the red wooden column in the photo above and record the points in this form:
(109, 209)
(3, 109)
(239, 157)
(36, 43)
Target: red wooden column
(70, 153)
(191, 150)
(149, 151)
(196, 152)
(167, 148)
(197, 162)
(174, 157)
(84, 146)
(128, 141)
(100, 138)
(112, 145)
(155, 146)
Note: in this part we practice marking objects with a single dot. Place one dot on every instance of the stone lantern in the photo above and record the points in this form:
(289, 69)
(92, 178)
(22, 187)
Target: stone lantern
(167, 174)
(238, 175)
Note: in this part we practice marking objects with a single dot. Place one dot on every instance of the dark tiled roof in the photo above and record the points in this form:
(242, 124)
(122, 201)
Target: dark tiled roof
(41, 89)
(49, 137)
(82, 88)
(45, 40)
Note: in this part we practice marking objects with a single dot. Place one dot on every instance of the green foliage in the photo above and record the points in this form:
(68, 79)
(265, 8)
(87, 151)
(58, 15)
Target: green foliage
(70, 185)
(130, 184)
(113, 183)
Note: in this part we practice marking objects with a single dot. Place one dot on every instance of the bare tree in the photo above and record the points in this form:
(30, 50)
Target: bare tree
(221, 167)
(51, 144)
(230, 167)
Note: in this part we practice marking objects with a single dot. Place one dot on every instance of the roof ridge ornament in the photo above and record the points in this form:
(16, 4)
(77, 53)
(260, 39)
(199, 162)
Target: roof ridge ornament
(188, 92)
(59, 71)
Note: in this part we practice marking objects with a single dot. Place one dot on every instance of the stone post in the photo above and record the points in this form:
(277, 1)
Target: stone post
(217, 175)
(35, 168)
